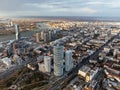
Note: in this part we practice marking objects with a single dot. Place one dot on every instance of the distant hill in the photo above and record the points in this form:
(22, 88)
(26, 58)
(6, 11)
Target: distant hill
(76, 18)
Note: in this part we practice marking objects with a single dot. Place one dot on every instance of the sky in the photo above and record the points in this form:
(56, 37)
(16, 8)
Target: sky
(60, 8)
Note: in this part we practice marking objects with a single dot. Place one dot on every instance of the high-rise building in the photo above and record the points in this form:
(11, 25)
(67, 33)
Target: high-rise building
(47, 62)
(9, 50)
(42, 35)
(55, 32)
(50, 35)
(37, 37)
(11, 23)
(18, 36)
(46, 37)
(58, 60)
(68, 60)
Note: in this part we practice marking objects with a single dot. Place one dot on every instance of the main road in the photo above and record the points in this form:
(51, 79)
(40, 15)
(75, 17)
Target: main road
(61, 82)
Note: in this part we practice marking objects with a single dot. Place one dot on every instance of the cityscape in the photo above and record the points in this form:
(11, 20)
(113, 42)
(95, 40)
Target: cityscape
(59, 52)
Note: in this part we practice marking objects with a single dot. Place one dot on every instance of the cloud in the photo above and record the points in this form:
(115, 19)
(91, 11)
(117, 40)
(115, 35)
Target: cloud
(55, 8)
(114, 4)
(88, 10)
(107, 4)
(60, 7)
(96, 3)
(38, 5)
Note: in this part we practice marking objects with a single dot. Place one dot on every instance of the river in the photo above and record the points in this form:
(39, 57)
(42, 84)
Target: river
(23, 34)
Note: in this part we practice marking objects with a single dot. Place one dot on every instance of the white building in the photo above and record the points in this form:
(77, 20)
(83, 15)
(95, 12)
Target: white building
(106, 49)
(41, 67)
(68, 60)
(83, 71)
(18, 37)
(47, 62)
(116, 51)
(91, 74)
(37, 37)
(42, 35)
(115, 31)
(7, 61)
(58, 60)
(31, 67)
(17, 59)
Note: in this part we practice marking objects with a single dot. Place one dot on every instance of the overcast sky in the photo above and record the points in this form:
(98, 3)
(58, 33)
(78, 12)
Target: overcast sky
(60, 8)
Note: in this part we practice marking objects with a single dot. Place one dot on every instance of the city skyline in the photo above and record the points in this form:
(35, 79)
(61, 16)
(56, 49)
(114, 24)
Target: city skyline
(60, 8)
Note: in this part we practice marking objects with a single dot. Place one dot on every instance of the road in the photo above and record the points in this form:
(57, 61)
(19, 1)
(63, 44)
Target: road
(60, 83)
(9, 72)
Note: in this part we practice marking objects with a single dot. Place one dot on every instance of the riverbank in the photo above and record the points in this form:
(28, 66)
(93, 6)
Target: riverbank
(5, 37)
(26, 33)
